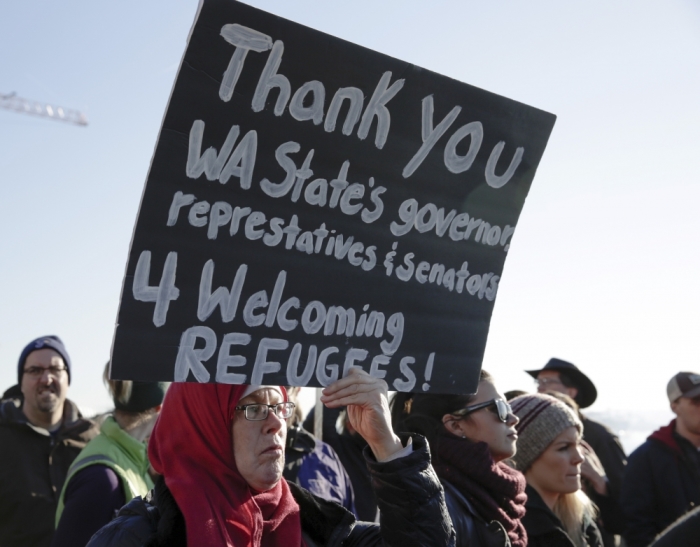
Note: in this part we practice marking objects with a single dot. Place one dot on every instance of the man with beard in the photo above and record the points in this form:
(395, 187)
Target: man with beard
(41, 433)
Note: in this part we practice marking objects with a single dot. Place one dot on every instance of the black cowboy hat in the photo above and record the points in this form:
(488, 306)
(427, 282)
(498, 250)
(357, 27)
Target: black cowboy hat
(587, 393)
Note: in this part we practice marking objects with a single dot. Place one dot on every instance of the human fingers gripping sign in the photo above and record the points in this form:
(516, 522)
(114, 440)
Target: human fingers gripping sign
(367, 404)
(356, 388)
(366, 399)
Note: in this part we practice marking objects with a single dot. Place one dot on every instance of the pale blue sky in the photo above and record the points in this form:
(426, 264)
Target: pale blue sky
(603, 267)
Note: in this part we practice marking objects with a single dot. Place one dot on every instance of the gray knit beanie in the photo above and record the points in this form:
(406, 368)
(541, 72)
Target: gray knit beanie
(542, 419)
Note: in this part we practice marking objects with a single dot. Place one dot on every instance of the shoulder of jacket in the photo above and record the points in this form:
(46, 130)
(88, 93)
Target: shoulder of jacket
(10, 412)
(325, 522)
(592, 533)
(135, 523)
(649, 449)
(81, 430)
(454, 496)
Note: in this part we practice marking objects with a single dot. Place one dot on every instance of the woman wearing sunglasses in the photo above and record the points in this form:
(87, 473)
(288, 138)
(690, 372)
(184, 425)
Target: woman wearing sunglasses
(220, 451)
(470, 436)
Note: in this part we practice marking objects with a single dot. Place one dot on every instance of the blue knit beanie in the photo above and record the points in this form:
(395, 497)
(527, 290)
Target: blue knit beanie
(44, 342)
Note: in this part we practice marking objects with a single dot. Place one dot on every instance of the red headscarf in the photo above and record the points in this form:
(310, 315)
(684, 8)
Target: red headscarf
(191, 446)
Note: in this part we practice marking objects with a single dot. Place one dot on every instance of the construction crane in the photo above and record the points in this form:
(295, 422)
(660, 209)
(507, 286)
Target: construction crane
(18, 104)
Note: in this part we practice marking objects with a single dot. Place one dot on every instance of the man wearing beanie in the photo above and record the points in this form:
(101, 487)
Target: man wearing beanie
(113, 468)
(662, 481)
(41, 433)
(558, 514)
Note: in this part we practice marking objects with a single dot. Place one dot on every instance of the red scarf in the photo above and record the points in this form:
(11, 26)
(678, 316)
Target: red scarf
(191, 447)
(496, 490)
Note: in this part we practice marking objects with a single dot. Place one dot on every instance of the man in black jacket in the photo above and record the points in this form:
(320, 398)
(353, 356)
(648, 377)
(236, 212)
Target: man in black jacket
(603, 488)
(662, 480)
(41, 433)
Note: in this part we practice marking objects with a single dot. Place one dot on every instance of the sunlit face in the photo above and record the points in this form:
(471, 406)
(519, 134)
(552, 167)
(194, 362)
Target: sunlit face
(258, 447)
(688, 414)
(549, 380)
(46, 393)
(558, 469)
(484, 425)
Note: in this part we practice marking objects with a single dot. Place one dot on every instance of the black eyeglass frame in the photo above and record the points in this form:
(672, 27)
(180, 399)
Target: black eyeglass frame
(38, 372)
(503, 409)
(275, 408)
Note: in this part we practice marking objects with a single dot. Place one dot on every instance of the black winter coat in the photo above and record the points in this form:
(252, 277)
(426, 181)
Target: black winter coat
(661, 483)
(470, 528)
(33, 468)
(544, 529)
(408, 492)
(612, 456)
(685, 532)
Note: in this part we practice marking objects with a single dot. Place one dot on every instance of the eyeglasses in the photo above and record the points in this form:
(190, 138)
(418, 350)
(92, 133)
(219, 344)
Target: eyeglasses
(544, 382)
(502, 409)
(258, 412)
(38, 372)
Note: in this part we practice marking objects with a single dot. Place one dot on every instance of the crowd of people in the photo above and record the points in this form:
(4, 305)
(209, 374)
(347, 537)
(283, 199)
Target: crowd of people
(216, 464)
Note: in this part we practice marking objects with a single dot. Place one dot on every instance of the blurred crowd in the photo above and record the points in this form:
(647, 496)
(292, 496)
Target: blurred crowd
(214, 464)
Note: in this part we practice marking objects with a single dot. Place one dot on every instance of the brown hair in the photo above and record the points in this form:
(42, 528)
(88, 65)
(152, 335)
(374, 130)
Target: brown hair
(422, 412)
(120, 391)
(573, 510)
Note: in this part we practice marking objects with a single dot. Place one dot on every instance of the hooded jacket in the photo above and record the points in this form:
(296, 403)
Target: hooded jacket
(662, 482)
(607, 447)
(33, 468)
(682, 533)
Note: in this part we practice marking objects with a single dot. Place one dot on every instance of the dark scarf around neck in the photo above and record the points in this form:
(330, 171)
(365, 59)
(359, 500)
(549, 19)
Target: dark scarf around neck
(496, 491)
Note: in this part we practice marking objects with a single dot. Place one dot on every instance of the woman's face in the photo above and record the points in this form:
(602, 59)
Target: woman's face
(484, 425)
(558, 469)
(258, 447)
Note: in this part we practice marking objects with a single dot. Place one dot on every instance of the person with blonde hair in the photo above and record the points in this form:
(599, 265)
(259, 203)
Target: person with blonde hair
(113, 468)
(558, 512)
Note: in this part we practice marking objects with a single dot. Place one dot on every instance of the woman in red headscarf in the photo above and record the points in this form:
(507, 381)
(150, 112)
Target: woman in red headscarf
(220, 451)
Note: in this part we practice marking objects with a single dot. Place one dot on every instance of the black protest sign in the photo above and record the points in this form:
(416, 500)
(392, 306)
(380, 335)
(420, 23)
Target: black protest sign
(314, 206)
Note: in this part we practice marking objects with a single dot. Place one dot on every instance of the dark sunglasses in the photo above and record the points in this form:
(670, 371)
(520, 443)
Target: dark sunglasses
(502, 409)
